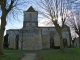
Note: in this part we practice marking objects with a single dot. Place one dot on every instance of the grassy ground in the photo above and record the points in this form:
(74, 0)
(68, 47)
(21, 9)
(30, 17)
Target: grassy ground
(14, 51)
(10, 51)
(67, 54)
(11, 57)
(50, 54)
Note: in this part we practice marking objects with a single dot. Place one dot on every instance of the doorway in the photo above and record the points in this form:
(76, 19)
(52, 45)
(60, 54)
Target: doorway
(51, 42)
(65, 42)
(17, 39)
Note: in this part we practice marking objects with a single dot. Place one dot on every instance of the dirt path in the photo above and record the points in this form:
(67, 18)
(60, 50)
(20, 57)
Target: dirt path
(29, 56)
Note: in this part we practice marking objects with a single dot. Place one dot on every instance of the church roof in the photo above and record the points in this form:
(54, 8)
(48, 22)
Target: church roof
(31, 9)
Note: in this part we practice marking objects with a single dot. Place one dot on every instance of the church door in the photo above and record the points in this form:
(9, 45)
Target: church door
(65, 42)
(6, 41)
(17, 40)
(51, 42)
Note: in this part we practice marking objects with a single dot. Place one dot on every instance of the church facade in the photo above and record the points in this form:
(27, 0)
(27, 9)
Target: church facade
(32, 37)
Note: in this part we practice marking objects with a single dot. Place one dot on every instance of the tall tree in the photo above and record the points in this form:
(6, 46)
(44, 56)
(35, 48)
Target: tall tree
(73, 22)
(6, 6)
(73, 17)
(55, 10)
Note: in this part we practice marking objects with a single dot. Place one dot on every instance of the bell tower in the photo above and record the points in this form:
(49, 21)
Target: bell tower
(30, 17)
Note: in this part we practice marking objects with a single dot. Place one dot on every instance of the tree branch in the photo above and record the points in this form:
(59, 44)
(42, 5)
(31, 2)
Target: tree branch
(11, 5)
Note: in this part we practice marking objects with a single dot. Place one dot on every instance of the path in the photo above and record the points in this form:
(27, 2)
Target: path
(29, 56)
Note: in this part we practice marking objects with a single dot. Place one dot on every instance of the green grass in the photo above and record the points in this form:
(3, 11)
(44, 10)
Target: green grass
(50, 54)
(13, 51)
(11, 57)
(67, 54)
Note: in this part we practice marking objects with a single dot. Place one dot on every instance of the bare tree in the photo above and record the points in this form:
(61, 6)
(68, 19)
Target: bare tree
(73, 22)
(6, 7)
(55, 10)
(73, 17)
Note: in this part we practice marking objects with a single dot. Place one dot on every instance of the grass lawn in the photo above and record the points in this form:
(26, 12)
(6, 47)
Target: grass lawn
(11, 57)
(67, 54)
(54, 54)
(13, 50)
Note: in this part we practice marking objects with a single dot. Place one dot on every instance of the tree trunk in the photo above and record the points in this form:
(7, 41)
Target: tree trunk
(59, 30)
(1, 41)
(3, 24)
(61, 40)
(79, 37)
(79, 40)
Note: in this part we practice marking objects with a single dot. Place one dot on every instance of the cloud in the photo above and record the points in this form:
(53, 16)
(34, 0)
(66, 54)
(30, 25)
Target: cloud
(0, 22)
(48, 23)
(45, 23)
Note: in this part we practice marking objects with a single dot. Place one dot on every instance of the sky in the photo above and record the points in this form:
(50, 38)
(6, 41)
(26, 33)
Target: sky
(18, 24)
(0, 21)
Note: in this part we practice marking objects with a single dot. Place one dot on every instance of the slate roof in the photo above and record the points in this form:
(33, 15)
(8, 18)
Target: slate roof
(31, 9)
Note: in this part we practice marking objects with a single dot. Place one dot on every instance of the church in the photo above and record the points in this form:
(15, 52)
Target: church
(32, 37)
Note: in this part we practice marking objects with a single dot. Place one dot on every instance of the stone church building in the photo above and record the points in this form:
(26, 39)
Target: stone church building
(32, 37)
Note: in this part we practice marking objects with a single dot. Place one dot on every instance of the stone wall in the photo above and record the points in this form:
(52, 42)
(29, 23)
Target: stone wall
(45, 41)
(12, 38)
(66, 36)
(31, 39)
(56, 40)
(76, 43)
(45, 38)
